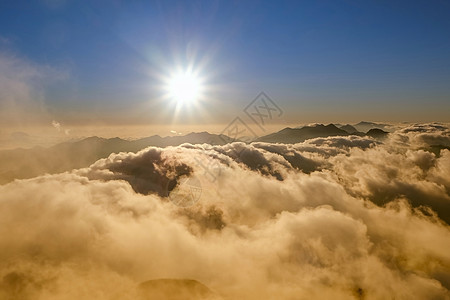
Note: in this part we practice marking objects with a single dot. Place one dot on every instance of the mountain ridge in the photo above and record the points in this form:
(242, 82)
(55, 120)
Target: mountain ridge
(66, 156)
(296, 135)
(28, 163)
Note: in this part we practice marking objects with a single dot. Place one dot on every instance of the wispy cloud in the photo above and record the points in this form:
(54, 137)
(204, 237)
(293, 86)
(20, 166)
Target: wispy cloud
(22, 90)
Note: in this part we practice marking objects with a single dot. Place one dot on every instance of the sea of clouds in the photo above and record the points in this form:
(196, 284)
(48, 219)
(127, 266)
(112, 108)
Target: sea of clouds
(329, 218)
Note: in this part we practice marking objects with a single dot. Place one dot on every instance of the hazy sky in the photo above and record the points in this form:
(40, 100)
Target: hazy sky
(101, 62)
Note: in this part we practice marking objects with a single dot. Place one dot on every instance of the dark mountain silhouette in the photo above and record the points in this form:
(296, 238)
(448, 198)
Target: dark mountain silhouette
(192, 138)
(28, 163)
(364, 126)
(350, 129)
(377, 133)
(296, 135)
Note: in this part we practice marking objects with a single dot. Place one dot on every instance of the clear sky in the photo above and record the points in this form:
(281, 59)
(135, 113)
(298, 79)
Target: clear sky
(82, 62)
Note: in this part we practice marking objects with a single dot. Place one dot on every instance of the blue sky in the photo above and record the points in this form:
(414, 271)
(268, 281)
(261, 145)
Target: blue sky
(320, 60)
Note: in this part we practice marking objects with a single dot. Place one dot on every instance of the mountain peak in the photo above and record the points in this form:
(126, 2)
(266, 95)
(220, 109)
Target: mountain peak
(377, 133)
(331, 125)
(365, 126)
(349, 128)
(296, 135)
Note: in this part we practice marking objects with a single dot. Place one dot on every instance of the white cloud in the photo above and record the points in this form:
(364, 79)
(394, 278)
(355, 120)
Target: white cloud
(265, 229)
(57, 125)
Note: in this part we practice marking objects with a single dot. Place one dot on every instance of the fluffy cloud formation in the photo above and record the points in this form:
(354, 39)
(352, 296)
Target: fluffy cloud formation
(339, 218)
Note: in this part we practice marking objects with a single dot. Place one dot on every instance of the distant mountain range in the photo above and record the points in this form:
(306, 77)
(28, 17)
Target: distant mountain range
(364, 126)
(28, 163)
(349, 128)
(297, 135)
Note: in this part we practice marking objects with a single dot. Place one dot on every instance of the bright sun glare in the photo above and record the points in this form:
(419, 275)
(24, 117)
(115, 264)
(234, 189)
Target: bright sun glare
(184, 87)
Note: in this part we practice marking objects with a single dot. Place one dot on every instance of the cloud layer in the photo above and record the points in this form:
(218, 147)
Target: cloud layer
(339, 217)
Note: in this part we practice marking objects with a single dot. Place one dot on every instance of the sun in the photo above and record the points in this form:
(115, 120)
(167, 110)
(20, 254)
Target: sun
(184, 87)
